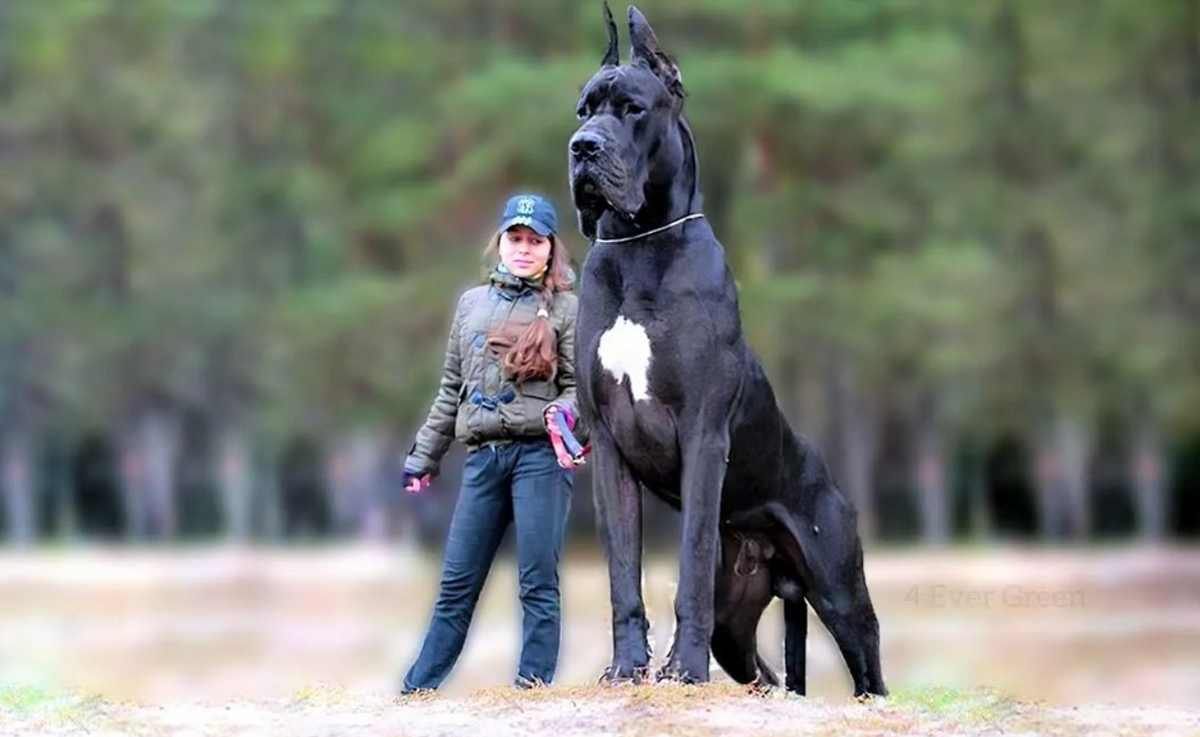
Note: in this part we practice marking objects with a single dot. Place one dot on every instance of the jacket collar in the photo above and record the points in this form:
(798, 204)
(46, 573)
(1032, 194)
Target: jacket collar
(506, 281)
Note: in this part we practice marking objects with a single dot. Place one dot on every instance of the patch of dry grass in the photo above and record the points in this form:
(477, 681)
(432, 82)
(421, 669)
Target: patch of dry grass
(647, 710)
(964, 706)
(41, 705)
(322, 695)
(664, 695)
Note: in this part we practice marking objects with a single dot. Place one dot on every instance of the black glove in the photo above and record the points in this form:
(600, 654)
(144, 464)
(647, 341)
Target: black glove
(415, 480)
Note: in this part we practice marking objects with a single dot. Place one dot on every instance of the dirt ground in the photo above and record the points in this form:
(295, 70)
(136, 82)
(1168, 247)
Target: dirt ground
(642, 711)
(224, 641)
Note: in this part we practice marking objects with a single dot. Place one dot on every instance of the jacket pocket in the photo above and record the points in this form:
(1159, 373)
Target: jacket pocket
(544, 390)
(524, 415)
(467, 427)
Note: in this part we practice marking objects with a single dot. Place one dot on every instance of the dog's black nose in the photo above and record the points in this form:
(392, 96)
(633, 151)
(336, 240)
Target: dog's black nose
(585, 145)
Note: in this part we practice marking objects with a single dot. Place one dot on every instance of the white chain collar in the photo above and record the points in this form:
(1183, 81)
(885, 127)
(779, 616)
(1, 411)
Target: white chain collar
(669, 225)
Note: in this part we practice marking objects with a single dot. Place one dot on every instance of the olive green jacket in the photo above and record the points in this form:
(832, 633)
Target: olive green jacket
(475, 403)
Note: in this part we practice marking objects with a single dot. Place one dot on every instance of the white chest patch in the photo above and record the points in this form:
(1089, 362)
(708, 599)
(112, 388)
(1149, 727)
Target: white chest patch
(625, 351)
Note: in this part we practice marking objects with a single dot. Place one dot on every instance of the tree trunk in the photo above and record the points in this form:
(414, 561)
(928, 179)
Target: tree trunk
(269, 499)
(930, 481)
(855, 428)
(1149, 482)
(235, 486)
(1062, 479)
(354, 476)
(149, 453)
(16, 475)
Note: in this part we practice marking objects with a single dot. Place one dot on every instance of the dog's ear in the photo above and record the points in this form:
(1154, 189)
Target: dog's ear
(612, 57)
(646, 53)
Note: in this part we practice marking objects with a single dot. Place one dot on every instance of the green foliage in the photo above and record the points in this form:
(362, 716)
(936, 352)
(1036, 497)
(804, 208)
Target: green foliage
(264, 209)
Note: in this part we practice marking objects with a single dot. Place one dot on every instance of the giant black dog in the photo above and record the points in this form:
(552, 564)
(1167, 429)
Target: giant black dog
(679, 405)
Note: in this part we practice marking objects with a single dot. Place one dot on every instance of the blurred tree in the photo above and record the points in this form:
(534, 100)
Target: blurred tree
(231, 229)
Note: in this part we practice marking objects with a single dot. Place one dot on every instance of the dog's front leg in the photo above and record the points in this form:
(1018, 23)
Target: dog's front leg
(704, 461)
(618, 502)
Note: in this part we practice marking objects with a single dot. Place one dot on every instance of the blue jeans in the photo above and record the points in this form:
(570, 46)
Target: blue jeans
(520, 482)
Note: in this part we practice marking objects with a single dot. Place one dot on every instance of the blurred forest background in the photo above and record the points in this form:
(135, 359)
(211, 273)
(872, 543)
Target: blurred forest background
(966, 236)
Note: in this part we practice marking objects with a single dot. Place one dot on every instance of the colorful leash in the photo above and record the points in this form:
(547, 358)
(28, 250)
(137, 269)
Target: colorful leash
(566, 445)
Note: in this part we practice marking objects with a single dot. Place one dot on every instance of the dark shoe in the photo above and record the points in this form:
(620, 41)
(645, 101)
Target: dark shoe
(408, 694)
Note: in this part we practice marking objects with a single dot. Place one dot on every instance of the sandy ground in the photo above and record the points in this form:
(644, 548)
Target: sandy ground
(642, 711)
(227, 641)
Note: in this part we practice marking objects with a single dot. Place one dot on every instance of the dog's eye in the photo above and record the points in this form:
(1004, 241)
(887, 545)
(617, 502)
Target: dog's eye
(582, 113)
(632, 108)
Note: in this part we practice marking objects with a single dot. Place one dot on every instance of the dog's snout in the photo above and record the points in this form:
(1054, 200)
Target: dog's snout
(585, 145)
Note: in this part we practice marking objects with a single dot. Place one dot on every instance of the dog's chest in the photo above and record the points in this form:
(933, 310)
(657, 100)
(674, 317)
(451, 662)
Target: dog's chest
(624, 353)
(631, 374)
(635, 359)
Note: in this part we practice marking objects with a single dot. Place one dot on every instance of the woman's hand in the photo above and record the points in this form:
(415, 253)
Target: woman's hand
(558, 424)
(415, 481)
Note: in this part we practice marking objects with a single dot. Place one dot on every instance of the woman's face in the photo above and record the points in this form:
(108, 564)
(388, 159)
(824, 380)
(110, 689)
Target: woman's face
(523, 251)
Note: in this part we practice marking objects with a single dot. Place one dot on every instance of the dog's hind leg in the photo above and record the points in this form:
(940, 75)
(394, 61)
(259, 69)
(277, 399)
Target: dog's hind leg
(837, 588)
(735, 649)
(795, 637)
(851, 620)
(828, 558)
(742, 592)
(766, 674)
(734, 652)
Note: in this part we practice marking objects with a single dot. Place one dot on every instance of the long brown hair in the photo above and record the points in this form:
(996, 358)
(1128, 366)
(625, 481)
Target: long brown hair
(531, 351)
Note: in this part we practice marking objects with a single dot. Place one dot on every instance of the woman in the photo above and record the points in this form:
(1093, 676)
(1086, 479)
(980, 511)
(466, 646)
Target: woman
(509, 369)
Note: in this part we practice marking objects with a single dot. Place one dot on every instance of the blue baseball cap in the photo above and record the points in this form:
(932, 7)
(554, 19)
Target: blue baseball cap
(530, 210)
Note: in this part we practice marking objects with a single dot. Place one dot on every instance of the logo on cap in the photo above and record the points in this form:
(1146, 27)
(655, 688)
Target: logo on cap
(525, 206)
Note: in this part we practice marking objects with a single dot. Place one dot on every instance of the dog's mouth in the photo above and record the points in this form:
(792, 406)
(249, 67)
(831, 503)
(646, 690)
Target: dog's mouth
(590, 198)
(603, 186)
(585, 186)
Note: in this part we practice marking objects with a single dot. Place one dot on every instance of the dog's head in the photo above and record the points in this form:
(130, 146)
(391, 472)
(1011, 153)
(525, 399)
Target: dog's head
(630, 132)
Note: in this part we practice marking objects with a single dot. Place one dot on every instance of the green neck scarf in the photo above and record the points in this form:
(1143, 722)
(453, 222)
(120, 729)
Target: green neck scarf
(505, 279)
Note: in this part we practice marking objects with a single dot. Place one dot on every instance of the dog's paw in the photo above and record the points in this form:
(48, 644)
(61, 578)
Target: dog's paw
(616, 674)
(763, 683)
(677, 671)
(759, 687)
